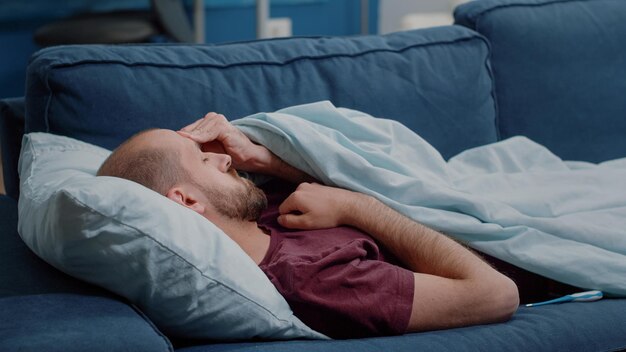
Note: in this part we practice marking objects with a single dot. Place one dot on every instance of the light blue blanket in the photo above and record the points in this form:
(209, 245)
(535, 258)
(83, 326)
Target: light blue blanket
(514, 199)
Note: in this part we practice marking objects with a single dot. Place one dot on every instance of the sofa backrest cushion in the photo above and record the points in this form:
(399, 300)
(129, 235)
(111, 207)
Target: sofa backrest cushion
(560, 71)
(436, 81)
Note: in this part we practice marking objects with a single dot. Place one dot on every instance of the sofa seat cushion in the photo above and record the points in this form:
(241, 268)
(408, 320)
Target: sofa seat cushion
(560, 72)
(571, 327)
(68, 323)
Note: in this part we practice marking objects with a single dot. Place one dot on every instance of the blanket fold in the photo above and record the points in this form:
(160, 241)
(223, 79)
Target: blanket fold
(514, 199)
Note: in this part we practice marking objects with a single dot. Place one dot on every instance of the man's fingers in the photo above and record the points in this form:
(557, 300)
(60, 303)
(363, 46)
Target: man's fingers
(194, 136)
(206, 131)
(213, 116)
(289, 205)
(295, 203)
(184, 134)
(292, 214)
(294, 221)
(204, 123)
(191, 126)
(204, 126)
(210, 122)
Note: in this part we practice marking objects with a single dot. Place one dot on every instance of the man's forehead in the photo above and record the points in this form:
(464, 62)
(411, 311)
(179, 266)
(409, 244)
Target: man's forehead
(189, 142)
(164, 137)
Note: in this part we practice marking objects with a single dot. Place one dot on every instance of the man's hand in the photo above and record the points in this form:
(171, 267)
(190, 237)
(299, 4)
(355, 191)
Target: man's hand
(313, 206)
(215, 134)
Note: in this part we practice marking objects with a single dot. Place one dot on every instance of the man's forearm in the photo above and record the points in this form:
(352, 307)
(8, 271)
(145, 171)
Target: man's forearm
(270, 164)
(453, 287)
(420, 248)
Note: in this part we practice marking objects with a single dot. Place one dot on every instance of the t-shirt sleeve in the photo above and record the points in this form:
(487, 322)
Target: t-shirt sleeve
(345, 295)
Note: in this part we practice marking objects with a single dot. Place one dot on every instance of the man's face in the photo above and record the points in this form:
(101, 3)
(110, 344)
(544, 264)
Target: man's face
(211, 172)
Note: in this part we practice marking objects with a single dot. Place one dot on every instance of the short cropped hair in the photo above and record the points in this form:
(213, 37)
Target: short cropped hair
(156, 168)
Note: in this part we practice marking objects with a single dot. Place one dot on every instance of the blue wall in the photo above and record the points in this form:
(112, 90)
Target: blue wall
(312, 17)
(226, 20)
(16, 46)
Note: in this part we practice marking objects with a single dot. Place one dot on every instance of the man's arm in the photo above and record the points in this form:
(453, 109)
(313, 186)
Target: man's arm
(453, 287)
(268, 163)
(215, 134)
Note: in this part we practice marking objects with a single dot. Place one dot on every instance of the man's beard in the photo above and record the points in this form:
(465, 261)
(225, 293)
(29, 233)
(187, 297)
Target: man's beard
(244, 204)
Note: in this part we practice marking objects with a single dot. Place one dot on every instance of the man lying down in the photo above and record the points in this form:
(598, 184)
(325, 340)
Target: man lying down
(348, 265)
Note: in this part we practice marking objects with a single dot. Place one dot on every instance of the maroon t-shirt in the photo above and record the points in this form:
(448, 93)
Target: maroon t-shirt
(337, 281)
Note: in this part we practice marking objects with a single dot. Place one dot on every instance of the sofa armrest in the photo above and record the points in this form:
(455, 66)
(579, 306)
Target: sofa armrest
(11, 132)
(68, 322)
(43, 309)
(24, 273)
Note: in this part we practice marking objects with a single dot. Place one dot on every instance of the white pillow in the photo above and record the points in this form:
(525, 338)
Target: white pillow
(190, 278)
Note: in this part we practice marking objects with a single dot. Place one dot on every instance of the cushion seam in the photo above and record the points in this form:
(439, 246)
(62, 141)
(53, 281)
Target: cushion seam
(48, 100)
(259, 62)
(46, 50)
(494, 92)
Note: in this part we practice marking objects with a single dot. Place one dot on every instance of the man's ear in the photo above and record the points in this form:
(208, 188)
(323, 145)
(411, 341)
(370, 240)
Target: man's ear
(187, 198)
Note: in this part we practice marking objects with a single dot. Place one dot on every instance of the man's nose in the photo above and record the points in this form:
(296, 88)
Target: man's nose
(222, 161)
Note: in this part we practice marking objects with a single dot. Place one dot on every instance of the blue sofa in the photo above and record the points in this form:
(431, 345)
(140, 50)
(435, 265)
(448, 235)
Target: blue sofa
(552, 70)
